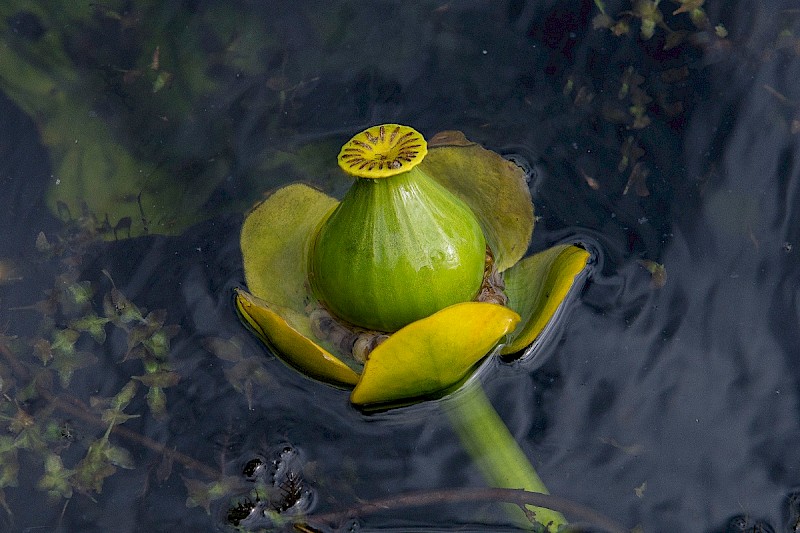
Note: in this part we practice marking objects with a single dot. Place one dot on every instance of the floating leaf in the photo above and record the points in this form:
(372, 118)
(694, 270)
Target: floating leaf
(494, 188)
(123, 224)
(294, 347)
(87, 158)
(537, 285)
(430, 355)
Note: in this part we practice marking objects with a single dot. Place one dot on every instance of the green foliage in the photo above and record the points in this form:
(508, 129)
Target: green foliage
(56, 479)
(41, 411)
(9, 465)
(94, 468)
(114, 412)
(75, 323)
(66, 358)
(93, 325)
(247, 374)
(201, 494)
(48, 78)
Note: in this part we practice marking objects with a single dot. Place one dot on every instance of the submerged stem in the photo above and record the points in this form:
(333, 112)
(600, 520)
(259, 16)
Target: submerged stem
(492, 447)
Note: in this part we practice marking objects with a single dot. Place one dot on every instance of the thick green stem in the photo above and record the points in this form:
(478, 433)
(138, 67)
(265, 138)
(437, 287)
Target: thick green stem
(490, 444)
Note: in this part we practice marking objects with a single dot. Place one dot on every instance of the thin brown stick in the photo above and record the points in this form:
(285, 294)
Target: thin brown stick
(74, 408)
(437, 497)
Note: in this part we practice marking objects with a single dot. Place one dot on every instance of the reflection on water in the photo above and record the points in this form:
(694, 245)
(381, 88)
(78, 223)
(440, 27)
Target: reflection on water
(673, 408)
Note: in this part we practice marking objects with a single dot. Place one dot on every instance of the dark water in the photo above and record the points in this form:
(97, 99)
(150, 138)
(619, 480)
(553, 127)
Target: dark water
(672, 408)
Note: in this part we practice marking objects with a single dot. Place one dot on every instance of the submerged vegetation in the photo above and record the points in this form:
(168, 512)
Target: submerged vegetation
(41, 410)
(86, 372)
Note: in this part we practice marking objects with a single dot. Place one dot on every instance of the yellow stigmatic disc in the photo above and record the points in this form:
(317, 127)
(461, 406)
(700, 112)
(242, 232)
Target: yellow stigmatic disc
(383, 151)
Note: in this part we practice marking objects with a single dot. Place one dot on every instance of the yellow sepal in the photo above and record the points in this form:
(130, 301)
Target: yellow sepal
(433, 354)
(294, 348)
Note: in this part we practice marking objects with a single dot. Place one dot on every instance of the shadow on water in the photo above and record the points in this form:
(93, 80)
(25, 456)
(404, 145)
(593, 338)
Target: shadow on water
(668, 403)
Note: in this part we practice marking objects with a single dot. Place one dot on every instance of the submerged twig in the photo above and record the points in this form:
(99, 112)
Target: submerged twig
(523, 498)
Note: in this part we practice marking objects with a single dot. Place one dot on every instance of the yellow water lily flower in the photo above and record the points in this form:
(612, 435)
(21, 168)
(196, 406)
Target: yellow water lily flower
(409, 282)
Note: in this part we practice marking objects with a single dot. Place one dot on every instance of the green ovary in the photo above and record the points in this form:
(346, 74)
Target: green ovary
(396, 250)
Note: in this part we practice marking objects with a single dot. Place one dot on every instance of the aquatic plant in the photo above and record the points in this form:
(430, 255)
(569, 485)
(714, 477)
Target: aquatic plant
(72, 441)
(401, 289)
(39, 408)
(49, 65)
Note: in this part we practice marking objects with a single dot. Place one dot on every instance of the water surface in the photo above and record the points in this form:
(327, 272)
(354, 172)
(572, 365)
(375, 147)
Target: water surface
(666, 403)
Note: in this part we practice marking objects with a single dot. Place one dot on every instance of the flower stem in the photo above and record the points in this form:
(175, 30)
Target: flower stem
(490, 444)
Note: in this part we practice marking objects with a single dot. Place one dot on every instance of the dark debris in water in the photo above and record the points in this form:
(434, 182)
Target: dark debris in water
(275, 490)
